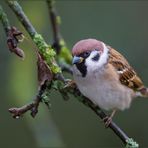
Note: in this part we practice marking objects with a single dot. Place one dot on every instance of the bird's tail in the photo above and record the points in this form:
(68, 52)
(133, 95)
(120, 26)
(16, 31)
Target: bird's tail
(144, 91)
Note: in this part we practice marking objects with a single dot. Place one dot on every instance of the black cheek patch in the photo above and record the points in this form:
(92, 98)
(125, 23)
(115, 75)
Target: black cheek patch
(82, 68)
(96, 57)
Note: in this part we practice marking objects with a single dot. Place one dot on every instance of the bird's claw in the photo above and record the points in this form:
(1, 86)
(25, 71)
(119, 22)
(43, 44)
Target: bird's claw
(107, 120)
(70, 83)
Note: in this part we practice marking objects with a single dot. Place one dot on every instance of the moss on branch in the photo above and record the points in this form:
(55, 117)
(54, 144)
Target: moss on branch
(47, 52)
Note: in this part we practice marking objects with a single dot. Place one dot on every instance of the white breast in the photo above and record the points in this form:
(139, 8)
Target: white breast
(104, 90)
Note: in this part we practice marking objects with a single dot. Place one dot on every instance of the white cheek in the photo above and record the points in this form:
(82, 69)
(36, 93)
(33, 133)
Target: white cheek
(95, 65)
(91, 65)
(104, 57)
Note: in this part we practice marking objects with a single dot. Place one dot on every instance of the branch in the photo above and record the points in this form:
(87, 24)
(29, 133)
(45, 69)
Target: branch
(4, 20)
(45, 50)
(129, 142)
(64, 56)
(33, 106)
(14, 36)
(55, 21)
(22, 17)
(48, 55)
(72, 89)
(63, 53)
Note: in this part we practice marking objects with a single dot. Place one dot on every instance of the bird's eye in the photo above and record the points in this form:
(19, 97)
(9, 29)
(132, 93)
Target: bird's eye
(86, 54)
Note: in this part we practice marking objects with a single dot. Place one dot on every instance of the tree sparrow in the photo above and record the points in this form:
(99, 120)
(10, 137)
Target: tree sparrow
(104, 76)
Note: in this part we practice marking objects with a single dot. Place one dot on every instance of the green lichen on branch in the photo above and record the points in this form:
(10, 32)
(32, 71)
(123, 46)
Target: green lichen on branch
(47, 52)
(131, 144)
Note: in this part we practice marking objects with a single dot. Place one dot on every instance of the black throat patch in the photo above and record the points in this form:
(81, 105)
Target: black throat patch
(82, 68)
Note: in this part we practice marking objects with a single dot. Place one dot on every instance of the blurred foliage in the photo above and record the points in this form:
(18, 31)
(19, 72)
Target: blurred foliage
(121, 24)
(65, 53)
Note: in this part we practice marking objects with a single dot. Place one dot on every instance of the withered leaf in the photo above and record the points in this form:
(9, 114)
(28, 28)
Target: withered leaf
(44, 72)
(13, 38)
(19, 52)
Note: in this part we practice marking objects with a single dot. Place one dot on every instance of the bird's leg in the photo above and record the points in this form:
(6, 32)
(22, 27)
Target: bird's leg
(107, 120)
(70, 83)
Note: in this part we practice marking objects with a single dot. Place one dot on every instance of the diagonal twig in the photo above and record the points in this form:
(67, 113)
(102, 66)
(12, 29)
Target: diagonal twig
(33, 106)
(55, 26)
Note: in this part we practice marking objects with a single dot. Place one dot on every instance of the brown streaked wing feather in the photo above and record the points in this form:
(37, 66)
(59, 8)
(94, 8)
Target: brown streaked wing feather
(127, 75)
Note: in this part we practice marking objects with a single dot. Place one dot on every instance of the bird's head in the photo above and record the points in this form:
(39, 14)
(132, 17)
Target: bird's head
(89, 55)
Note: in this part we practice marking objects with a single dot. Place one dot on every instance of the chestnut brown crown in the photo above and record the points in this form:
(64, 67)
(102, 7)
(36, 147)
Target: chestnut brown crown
(87, 45)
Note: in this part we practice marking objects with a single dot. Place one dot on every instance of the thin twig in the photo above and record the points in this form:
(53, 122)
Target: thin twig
(22, 17)
(112, 125)
(57, 37)
(55, 25)
(33, 106)
(4, 20)
(73, 90)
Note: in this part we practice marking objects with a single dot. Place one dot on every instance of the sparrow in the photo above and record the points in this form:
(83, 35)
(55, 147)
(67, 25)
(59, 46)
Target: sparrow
(104, 76)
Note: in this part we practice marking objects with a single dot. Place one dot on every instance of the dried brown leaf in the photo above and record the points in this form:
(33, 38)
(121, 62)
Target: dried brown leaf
(13, 38)
(44, 72)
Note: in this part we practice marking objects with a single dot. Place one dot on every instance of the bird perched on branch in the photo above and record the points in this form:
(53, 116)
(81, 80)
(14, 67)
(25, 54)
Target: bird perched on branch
(104, 76)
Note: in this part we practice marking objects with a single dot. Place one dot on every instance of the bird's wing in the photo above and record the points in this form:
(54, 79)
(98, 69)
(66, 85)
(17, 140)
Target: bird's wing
(127, 75)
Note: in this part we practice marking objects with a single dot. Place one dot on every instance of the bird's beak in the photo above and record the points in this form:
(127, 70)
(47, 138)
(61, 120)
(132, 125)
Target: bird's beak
(77, 60)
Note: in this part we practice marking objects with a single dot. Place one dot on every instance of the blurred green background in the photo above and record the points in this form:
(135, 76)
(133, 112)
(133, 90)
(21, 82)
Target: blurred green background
(121, 24)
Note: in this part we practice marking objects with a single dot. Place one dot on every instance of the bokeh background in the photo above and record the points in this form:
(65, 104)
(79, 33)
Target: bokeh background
(121, 24)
